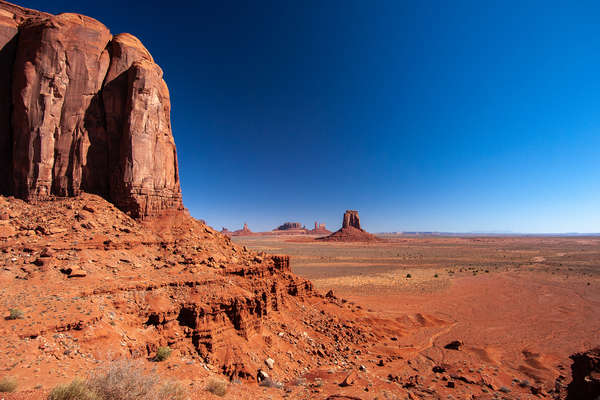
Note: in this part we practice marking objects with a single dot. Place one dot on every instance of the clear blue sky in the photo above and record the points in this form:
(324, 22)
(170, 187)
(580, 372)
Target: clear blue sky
(426, 115)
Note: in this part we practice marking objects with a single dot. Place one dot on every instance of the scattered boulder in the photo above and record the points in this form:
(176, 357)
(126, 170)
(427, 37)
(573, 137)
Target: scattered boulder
(262, 375)
(350, 379)
(270, 363)
(454, 345)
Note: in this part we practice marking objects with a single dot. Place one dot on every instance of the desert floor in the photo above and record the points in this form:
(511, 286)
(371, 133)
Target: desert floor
(519, 304)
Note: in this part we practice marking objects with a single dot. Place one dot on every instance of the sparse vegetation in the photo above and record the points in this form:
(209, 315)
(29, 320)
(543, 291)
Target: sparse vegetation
(120, 380)
(15, 313)
(76, 390)
(435, 276)
(172, 391)
(8, 384)
(217, 387)
(163, 353)
(408, 275)
(127, 380)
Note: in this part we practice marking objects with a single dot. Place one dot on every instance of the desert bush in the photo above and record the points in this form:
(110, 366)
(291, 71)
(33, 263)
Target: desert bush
(127, 380)
(15, 313)
(162, 353)
(8, 384)
(123, 380)
(76, 390)
(173, 391)
(217, 387)
(408, 275)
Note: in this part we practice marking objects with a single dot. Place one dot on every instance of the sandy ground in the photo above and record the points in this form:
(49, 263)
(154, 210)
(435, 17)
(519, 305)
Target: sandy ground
(521, 304)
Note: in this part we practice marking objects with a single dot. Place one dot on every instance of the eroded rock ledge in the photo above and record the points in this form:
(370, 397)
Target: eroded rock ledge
(83, 110)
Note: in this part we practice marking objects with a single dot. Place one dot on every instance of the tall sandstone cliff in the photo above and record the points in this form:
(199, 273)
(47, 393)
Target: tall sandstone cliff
(83, 110)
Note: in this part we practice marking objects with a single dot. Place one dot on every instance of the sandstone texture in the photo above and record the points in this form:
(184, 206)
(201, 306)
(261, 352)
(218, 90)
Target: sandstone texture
(351, 219)
(82, 110)
(585, 371)
(350, 230)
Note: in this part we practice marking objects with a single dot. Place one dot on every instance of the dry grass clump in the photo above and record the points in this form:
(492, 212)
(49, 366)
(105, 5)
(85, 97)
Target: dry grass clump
(121, 380)
(8, 384)
(173, 391)
(217, 387)
(76, 390)
(15, 313)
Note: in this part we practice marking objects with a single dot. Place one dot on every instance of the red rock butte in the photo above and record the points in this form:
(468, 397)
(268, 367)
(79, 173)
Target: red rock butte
(82, 110)
(350, 231)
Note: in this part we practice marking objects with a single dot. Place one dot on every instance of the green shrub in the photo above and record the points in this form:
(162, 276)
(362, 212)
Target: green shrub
(408, 275)
(217, 387)
(76, 390)
(15, 313)
(163, 353)
(8, 384)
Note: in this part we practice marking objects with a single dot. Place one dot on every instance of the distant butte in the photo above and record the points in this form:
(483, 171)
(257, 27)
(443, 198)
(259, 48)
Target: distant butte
(245, 231)
(350, 231)
(320, 228)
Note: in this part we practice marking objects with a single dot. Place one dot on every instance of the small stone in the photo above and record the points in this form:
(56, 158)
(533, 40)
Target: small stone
(350, 379)
(270, 363)
(262, 375)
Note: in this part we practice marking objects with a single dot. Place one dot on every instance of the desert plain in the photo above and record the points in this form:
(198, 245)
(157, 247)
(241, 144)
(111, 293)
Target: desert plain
(520, 305)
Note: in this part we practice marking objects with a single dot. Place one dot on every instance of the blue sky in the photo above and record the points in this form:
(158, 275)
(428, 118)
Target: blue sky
(431, 116)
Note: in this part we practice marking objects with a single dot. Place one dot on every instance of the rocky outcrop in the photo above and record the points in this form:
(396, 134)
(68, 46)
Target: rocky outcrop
(286, 226)
(350, 230)
(586, 375)
(351, 219)
(320, 228)
(245, 231)
(82, 110)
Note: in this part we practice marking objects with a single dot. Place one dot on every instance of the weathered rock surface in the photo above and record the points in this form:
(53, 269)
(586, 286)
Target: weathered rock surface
(82, 110)
(585, 371)
(351, 219)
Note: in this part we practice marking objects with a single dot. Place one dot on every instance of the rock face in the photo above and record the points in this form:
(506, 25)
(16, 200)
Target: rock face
(82, 110)
(350, 231)
(351, 219)
(289, 225)
(586, 375)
